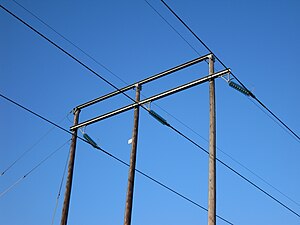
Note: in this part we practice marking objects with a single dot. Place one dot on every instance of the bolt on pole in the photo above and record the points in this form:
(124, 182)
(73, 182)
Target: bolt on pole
(65, 210)
(212, 148)
(131, 175)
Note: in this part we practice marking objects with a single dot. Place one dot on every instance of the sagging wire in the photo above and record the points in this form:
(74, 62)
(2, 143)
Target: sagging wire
(31, 147)
(33, 169)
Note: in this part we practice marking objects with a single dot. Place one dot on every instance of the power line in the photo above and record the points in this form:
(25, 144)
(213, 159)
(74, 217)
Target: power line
(105, 67)
(236, 161)
(70, 42)
(277, 118)
(188, 28)
(276, 121)
(28, 150)
(236, 172)
(272, 118)
(65, 52)
(107, 153)
(173, 28)
(251, 94)
(112, 85)
(178, 132)
(262, 179)
(34, 113)
(33, 169)
(70, 55)
(165, 186)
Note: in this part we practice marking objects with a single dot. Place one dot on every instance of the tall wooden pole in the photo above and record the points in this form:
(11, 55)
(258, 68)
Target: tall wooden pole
(131, 175)
(65, 210)
(212, 148)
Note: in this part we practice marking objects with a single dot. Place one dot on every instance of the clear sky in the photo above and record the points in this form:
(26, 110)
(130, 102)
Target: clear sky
(258, 40)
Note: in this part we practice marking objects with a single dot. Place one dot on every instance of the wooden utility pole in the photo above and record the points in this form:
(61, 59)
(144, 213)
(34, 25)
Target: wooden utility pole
(131, 175)
(65, 210)
(212, 148)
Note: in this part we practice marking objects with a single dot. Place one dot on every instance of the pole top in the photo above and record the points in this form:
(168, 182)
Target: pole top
(74, 110)
(211, 56)
(138, 85)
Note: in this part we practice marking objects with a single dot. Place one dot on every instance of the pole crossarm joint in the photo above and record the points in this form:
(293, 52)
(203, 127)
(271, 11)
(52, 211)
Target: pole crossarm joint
(153, 98)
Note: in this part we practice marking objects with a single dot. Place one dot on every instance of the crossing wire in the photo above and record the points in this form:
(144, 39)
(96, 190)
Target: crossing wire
(173, 28)
(257, 105)
(108, 82)
(110, 155)
(70, 42)
(237, 173)
(32, 170)
(11, 165)
(110, 71)
(251, 94)
(112, 85)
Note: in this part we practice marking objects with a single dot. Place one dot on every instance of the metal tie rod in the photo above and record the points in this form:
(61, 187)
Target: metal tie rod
(144, 81)
(153, 98)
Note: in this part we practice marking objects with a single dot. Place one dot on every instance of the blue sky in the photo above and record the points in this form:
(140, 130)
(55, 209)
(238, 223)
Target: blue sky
(258, 40)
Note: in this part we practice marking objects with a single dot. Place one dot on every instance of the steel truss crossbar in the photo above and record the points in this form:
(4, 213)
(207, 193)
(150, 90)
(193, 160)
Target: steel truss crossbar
(153, 98)
(144, 81)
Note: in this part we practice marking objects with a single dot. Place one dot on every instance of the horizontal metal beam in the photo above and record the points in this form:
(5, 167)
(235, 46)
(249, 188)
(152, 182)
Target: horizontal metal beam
(144, 81)
(153, 98)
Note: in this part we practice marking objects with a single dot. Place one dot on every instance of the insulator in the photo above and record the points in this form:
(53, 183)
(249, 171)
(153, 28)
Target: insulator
(239, 88)
(158, 118)
(90, 140)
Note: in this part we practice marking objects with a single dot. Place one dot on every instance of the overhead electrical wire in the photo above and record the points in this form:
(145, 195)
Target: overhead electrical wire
(110, 71)
(11, 165)
(172, 27)
(26, 152)
(112, 85)
(65, 52)
(237, 173)
(107, 153)
(70, 42)
(236, 161)
(272, 118)
(105, 67)
(32, 170)
(251, 94)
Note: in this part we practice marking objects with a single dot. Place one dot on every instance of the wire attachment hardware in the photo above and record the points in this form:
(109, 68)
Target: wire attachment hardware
(156, 115)
(88, 138)
(226, 77)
